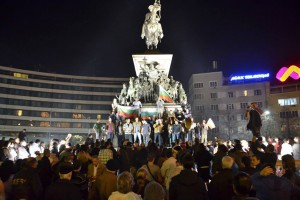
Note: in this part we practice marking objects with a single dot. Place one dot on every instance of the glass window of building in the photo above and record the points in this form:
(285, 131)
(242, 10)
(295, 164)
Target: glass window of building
(213, 84)
(199, 108)
(257, 92)
(213, 95)
(230, 94)
(259, 104)
(198, 85)
(245, 93)
(199, 96)
(230, 106)
(214, 107)
(45, 114)
(288, 102)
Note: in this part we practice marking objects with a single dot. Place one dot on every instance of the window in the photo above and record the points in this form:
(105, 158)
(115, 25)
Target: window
(214, 107)
(230, 94)
(288, 102)
(199, 108)
(289, 114)
(20, 75)
(257, 92)
(215, 118)
(45, 114)
(198, 85)
(245, 93)
(243, 117)
(213, 84)
(213, 95)
(78, 116)
(199, 96)
(230, 118)
(244, 105)
(230, 106)
(259, 104)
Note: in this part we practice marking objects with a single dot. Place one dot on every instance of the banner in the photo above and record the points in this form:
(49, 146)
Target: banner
(128, 111)
(164, 95)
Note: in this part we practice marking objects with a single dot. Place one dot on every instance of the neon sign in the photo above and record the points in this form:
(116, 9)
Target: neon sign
(250, 77)
(293, 71)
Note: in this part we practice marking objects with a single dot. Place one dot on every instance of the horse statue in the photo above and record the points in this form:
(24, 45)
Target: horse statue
(152, 29)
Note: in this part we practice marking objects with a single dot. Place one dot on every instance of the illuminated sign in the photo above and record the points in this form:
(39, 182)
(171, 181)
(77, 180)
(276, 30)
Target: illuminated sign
(250, 77)
(293, 72)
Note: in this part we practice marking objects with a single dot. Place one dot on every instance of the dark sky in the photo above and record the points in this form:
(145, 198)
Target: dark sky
(97, 37)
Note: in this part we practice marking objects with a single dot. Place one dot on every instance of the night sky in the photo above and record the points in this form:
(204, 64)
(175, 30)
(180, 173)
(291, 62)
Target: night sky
(98, 38)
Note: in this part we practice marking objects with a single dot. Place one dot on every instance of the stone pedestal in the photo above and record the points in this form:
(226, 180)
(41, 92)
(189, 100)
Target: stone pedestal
(160, 62)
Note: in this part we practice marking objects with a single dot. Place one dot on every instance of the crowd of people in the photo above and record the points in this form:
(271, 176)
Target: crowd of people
(163, 158)
(97, 170)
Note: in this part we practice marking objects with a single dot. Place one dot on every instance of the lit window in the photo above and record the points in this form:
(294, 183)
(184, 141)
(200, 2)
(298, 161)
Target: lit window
(45, 114)
(288, 102)
(20, 75)
(245, 93)
(19, 113)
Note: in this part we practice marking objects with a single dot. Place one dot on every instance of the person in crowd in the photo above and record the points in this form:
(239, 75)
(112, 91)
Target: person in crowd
(128, 130)
(204, 132)
(220, 186)
(176, 129)
(105, 154)
(95, 169)
(11, 151)
(242, 187)
(248, 168)
(254, 125)
(106, 183)
(168, 165)
(158, 128)
(79, 179)
(269, 156)
(44, 169)
(286, 148)
(137, 129)
(125, 184)
(269, 186)
(7, 172)
(34, 147)
(277, 144)
(256, 162)
(97, 129)
(2, 191)
(217, 159)
(120, 133)
(146, 131)
(89, 140)
(137, 104)
(187, 185)
(160, 107)
(154, 191)
(26, 183)
(198, 130)
(141, 182)
(63, 189)
(22, 135)
(110, 129)
(22, 151)
(153, 171)
(289, 169)
(202, 159)
(296, 148)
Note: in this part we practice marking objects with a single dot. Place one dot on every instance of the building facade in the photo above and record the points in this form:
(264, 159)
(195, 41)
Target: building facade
(225, 101)
(283, 117)
(52, 105)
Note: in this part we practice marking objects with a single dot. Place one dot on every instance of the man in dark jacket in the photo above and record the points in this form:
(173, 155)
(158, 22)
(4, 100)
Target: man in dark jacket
(26, 183)
(63, 189)
(221, 185)
(44, 169)
(187, 185)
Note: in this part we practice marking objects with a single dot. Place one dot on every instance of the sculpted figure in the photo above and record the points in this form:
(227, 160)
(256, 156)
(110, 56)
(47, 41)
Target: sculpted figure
(152, 29)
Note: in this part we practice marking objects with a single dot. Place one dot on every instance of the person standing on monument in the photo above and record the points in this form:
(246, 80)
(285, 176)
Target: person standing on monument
(137, 104)
(97, 129)
(128, 129)
(204, 132)
(160, 107)
(253, 114)
(137, 128)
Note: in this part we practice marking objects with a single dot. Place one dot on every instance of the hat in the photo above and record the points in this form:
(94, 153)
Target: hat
(65, 168)
(112, 165)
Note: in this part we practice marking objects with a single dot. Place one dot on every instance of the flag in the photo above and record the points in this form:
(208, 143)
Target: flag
(148, 112)
(128, 111)
(164, 95)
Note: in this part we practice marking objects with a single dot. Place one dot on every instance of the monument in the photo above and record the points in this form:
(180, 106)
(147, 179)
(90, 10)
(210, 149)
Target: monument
(152, 82)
